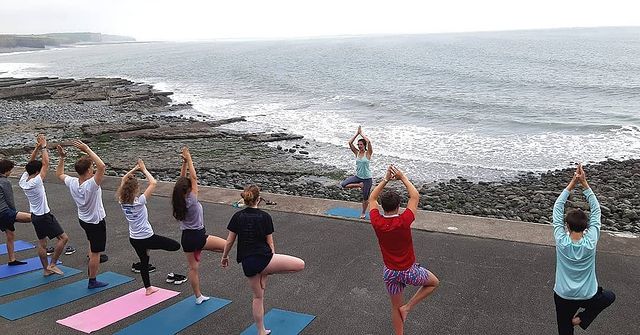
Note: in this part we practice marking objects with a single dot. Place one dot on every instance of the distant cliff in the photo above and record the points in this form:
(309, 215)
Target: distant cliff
(56, 39)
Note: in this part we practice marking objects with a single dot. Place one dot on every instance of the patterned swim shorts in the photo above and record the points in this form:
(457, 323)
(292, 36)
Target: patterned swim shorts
(396, 280)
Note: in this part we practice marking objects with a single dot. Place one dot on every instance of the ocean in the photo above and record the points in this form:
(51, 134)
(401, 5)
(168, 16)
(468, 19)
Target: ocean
(485, 106)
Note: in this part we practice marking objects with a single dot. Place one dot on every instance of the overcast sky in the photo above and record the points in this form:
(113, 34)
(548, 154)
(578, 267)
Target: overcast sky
(193, 20)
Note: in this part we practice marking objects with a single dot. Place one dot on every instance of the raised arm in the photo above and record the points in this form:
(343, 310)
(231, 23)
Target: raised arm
(593, 231)
(351, 146)
(558, 208)
(45, 159)
(369, 146)
(100, 166)
(152, 181)
(60, 167)
(128, 174)
(183, 168)
(414, 196)
(192, 170)
(231, 239)
(373, 197)
(36, 150)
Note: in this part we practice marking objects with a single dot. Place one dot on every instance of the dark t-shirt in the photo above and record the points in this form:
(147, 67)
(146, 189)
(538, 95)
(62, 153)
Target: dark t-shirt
(252, 226)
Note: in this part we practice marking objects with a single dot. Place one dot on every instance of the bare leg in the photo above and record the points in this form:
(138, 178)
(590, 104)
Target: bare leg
(62, 241)
(283, 264)
(356, 185)
(23, 217)
(257, 306)
(365, 204)
(397, 300)
(576, 321)
(422, 293)
(42, 254)
(11, 238)
(94, 263)
(194, 277)
(214, 243)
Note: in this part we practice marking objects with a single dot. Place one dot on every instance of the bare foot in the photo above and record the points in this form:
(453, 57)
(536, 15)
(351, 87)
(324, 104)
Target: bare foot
(48, 272)
(404, 311)
(151, 290)
(576, 321)
(54, 269)
(267, 331)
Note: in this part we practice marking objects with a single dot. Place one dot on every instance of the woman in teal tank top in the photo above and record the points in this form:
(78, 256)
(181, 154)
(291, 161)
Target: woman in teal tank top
(362, 178)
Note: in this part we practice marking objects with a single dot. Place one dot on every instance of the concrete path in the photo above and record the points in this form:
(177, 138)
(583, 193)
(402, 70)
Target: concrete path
(496, 276)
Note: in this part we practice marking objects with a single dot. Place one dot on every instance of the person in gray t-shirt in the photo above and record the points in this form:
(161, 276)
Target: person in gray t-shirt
(8, 213)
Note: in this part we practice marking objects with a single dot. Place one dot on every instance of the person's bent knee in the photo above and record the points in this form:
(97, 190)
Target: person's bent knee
(610, 297)
(299, 266)
(433, 281)
(63, 237)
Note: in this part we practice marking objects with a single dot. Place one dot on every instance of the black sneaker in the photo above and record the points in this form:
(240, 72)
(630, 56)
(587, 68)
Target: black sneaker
(50, 251)
(68, 250)
(103, 258)
(135, 267)
(176, 278)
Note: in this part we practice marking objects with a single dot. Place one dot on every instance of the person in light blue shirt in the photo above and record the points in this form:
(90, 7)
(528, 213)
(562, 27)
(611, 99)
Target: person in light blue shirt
(362, 178)
(576, 283)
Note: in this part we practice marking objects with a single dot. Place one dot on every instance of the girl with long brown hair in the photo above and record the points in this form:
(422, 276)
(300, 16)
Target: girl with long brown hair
(256, 251)
(188, 211)
(141, 235)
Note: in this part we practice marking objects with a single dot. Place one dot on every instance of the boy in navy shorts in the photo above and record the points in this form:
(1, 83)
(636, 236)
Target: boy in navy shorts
(8, 213)
(394, 237)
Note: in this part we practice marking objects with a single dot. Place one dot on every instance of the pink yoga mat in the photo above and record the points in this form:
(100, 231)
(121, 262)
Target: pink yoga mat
(115, 310)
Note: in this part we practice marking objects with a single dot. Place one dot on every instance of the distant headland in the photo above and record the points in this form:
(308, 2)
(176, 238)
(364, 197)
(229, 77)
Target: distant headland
(13, 43)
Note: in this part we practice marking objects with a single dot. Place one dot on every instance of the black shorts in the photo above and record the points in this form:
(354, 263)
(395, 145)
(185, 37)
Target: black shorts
(46, 225)
(7, 219)
(193, 240)
(254, 264)
(96, 234)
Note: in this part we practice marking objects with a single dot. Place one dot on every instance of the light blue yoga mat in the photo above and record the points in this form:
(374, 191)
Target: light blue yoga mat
(175, 317)
(18, 245)
(33, 264)
(282, 322)
(20, 308)
(32, 279)
(346, 212)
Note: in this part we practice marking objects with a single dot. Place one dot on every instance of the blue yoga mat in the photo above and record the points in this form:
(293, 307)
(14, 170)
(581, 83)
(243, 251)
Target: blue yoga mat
(32, 265)
(18, 245)
(20, 308)
(345, 212)
(282, 322)
(32, 279)
(175, 317)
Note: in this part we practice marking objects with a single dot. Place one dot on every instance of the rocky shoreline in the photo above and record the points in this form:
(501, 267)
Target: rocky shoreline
(124, 120)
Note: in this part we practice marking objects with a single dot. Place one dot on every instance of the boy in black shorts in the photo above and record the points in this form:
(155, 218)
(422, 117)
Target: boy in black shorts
(44, 223)
(87, 194)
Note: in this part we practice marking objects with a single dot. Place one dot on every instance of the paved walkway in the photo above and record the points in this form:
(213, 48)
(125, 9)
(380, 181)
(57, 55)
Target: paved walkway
(496, 276)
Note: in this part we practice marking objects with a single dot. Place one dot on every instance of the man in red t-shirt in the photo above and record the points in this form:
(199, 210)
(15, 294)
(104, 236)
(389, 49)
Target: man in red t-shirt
(394, 236)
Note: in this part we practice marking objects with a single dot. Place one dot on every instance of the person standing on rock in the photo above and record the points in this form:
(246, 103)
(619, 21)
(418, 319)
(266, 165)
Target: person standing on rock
(44, 223)
(8, 213)
(141, 235)
(256, 251)
(87, 194)
(576, 285)
(188, 211)
(393, 231)
(362, 179)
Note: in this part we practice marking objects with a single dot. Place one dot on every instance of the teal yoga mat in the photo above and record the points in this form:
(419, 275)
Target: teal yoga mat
(32, 279)
(282, 322)
(18, 245)
(20, 308)
(32, 265)
(175, 317)
(345, 212)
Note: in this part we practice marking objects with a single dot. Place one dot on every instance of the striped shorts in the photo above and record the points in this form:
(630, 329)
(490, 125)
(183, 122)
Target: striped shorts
(396, 280)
